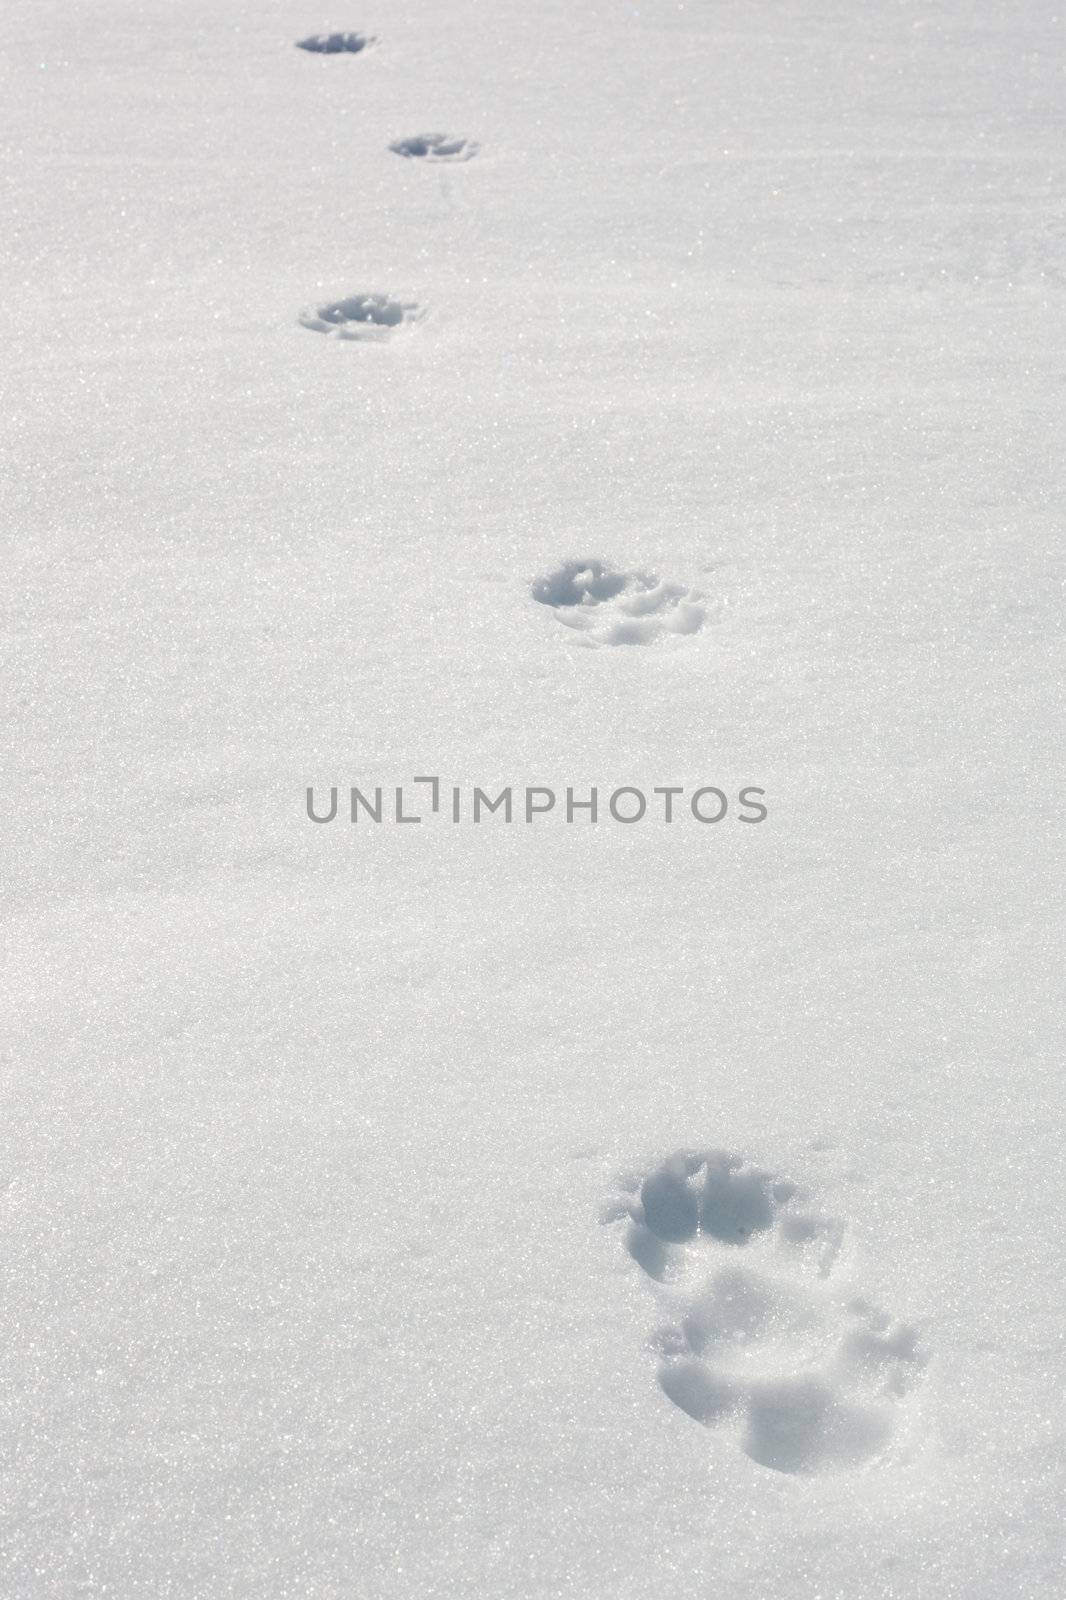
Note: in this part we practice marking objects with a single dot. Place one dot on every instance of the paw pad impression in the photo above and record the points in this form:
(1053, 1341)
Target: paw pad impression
(618, 607)
(760, 1343)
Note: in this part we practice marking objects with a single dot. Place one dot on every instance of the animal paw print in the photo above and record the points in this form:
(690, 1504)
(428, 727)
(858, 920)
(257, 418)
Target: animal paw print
(609, 607)
(759, 1344)
(361, 316)
(335, 44)
(435, 147)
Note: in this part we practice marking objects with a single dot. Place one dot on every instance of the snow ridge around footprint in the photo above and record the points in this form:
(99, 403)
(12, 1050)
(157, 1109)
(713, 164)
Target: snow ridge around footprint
(609, 607)
(761, 1344)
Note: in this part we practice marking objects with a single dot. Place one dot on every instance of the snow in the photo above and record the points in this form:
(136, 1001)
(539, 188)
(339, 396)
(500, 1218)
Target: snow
(350, 1169)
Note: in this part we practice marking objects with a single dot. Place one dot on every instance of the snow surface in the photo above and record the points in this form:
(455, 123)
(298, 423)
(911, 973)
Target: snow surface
(348, 1249)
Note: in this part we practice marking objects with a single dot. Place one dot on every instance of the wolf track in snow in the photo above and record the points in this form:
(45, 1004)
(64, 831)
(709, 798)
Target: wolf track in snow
(361, 316)
(760, 1344)
(335, 44)
(434, 147)
(609, 607)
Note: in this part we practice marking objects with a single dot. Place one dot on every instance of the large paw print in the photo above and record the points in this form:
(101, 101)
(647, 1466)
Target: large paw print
(361, 316)
(335, 44)
(434, 147)
(610, 607)
(760, 1344)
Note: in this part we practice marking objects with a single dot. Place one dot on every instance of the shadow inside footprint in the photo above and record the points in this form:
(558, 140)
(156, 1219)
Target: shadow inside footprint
(648, 1251)
(434, 147)
(803, 1425)
(736, 1201)
(611, 607)
(578, 583)
(702, 1394)
(888, 1354)
(733, 1202)
(360, 316)
(377, 308)
(334, 44)
(671, 1207)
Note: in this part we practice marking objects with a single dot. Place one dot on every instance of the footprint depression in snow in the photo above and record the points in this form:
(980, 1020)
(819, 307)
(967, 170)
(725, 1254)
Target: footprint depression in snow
(614, 607)
(335, 44)
(360, 316)
(434, 147)
(762, 1340)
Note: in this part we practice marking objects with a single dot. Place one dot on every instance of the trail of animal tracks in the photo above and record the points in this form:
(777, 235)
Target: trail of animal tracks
(650, 399)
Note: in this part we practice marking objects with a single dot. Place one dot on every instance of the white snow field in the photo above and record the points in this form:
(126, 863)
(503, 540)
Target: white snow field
(551, 1209)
